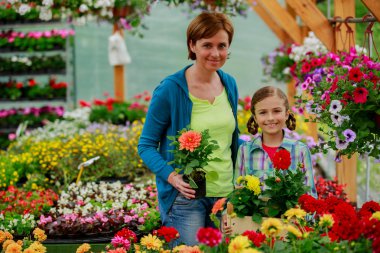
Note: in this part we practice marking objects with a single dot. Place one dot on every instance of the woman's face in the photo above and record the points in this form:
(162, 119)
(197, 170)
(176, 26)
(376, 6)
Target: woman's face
(211, 53)
(271, 115)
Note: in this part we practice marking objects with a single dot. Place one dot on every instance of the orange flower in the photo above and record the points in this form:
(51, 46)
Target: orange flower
(190, 140)
(218, 206)
(13, 248)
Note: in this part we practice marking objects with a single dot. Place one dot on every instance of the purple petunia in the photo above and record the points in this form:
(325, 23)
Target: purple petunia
(350, 135)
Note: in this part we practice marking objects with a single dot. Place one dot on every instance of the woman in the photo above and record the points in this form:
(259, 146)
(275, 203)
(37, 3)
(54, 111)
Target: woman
(204, 97)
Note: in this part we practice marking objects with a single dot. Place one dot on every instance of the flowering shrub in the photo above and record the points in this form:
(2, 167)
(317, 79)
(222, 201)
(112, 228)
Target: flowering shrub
(115, 112)
(33, 243)
(193, 151)
(277, 63)
(345, 93)
(101, 208)
(231, 7)
(54, 64)
(11, 118)
(34, 40)
(19, 201)
(281, 190)
(328, 188)
(31, 90)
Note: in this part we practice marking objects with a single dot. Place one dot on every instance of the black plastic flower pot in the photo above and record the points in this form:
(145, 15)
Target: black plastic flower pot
(200, 179)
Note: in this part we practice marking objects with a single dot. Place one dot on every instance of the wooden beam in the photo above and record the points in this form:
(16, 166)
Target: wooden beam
(276, 29)
(374, 7)
(346, 170)
(315, 20)
(283, 18)
(344, 9)
(118, 72)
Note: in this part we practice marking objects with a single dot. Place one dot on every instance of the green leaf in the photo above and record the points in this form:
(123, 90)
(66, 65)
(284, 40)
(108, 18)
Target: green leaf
(257, 218)
(192, 183)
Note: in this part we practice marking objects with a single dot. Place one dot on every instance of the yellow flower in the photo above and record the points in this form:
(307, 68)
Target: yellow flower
(271, 227)
(151, 242)
(376, 215)
(253, 184)
(83, 248)
(326, 221)
(239, 179)
(293, 230)
(37, 247)
(13, 248)
(39, 234)
(238, 244)
(186, 249)
(251, 250)
(295, 212)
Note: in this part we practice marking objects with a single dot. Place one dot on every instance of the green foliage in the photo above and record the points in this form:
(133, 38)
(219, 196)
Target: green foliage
(119, 113)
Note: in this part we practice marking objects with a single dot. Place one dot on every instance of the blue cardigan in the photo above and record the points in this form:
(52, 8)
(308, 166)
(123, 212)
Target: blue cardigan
(169, 112)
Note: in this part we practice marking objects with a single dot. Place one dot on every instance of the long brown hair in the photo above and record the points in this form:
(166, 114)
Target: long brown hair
(261, 94)
(206, 25)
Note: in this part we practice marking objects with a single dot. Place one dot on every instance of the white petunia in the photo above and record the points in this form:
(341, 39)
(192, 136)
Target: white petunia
(23, 9)
(46, 14)
(337, 119)
(335, 106)
(48, 2)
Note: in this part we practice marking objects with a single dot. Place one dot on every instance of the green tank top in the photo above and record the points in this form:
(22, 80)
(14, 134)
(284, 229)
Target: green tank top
(219, 119)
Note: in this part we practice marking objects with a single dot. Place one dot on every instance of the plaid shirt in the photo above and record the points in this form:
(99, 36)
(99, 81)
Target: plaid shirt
(253, 160)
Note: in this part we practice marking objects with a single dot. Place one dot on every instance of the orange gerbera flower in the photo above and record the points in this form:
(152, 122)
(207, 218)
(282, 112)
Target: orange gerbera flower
(190, 140)
(219, 205)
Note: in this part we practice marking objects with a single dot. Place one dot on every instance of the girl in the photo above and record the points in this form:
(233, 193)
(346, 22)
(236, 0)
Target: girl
(270, 112)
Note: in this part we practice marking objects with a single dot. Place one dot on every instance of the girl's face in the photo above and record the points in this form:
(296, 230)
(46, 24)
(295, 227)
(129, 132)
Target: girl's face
(271, 115)
(211, 53)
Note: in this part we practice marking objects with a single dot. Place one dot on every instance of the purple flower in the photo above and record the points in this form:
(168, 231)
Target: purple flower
(317, 78)
(341, 144)
(350, 135)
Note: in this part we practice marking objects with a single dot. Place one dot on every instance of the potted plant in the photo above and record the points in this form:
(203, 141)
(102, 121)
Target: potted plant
(249, 203)
(193, 151)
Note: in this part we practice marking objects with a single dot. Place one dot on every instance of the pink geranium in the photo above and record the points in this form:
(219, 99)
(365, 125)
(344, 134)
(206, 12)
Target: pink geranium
(190, 140)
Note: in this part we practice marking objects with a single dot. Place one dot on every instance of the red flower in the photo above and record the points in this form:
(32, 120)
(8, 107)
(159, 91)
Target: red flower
(209, 236)
(19, 85)
(127, 234)
(306, 67)
(355, 75)
(98, 102)
(282, 160)
(84, 103)
(169, 233)
(32, 82)
(360, 95)
(256, 238)
(369, 208)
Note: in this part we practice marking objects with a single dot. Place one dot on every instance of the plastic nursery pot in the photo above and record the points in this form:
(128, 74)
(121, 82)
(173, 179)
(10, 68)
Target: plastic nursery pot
(200, 179)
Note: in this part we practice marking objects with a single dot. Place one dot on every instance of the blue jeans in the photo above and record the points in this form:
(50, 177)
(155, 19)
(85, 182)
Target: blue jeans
(188, 216)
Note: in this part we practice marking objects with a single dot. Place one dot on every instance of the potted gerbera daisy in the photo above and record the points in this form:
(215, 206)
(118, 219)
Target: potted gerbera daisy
(193, 151)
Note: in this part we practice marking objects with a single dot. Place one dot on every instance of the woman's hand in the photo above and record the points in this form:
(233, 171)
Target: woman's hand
(184, 188)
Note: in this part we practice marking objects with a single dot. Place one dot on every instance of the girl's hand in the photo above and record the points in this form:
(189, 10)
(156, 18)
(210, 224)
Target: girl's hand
(226, 228)
(184, 188)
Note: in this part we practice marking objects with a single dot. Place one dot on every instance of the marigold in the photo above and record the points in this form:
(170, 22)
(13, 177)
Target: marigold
(2, 236)
(83, 248)
(253, 184)
(6, 243)
(271, 227)
(238, 244)
(190, 140)
(13, 248)
(37, 247)
(39, 234)
(295, 212)
(326, 220)
(151, 242)
(8, 235)
(117, 250)
(28, 250)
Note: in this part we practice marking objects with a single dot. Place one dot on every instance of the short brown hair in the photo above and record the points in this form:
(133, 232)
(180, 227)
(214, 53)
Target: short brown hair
(206, 25)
